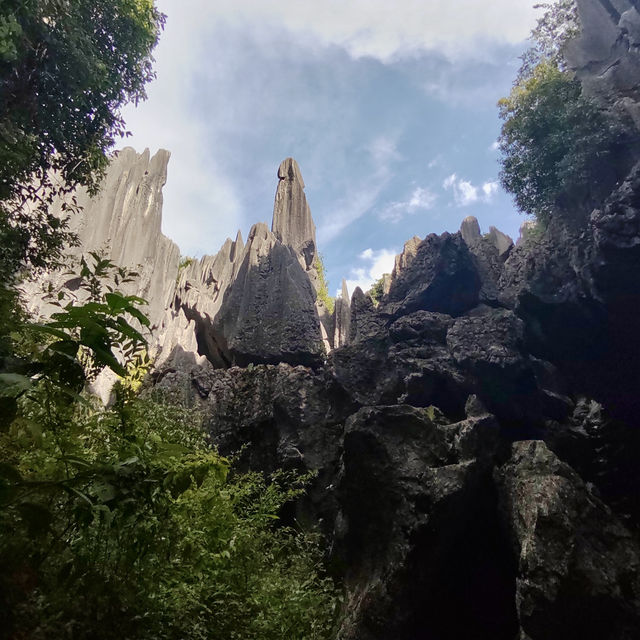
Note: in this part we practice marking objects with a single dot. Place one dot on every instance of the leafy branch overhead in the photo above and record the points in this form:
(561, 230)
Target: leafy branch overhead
(66, 69)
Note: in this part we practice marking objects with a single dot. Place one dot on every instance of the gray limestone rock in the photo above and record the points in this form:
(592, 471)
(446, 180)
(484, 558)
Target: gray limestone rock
(470, 229)
(501, 241)
(606, 55)
(578, 567)
(404, 259)
(292, 221)
(124, 223)
(364, 320)
(342, 318)
(440, 277)
(411, 517)
(268, 315)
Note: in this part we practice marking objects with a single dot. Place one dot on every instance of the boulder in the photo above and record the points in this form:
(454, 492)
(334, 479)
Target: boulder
(441, 278)
(578, 566)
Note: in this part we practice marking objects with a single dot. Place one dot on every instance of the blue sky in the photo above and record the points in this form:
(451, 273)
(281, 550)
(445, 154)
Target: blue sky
(388, 107)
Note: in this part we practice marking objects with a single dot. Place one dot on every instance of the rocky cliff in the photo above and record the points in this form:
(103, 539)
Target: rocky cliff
(475, 434)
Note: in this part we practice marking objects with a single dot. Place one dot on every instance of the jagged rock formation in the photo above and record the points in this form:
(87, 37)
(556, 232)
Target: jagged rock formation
(124, 223)
(475, 434)
(476, 439)
(606, 55)
(292, 221)
(249, 303)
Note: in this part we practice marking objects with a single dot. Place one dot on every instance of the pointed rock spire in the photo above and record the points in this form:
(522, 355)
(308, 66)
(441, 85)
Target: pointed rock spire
(292, 221)
(470, 229)
(342, 315)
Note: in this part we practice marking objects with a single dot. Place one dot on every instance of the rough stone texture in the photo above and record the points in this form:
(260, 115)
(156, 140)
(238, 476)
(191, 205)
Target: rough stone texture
(364, 319)
(292, 222)
(124, 222)
(404, 259)
(342, 318)
(411, 515)
(606, 56)
(269, 313)
(470, 229)
(441, 277)
(578, 566)
(501, 241)
(247, 303)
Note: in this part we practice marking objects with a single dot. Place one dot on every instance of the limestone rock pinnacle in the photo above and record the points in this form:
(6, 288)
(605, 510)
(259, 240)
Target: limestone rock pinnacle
(292, 221)
(470, 229)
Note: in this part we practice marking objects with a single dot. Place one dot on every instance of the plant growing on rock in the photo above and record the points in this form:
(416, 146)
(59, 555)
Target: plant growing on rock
(323, 285)
(125, 522)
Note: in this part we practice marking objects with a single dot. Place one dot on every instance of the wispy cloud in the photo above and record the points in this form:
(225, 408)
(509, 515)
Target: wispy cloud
(382, 154)
(373, 264)
(465, 193)
(378, 28)
(489, 189)
(421, 199)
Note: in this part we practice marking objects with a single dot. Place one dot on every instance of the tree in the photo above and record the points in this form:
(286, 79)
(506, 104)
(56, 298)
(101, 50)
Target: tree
(559, 23)
(66, 69)
(557, 145)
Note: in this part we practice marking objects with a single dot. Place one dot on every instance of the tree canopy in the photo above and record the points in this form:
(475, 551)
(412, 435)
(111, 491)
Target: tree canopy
(66, 69)
(554, 141)
(557, 145)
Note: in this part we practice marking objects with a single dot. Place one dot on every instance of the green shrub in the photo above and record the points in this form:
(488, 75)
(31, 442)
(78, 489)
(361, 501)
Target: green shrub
(125, 522)
(323, 285)
(377, 290)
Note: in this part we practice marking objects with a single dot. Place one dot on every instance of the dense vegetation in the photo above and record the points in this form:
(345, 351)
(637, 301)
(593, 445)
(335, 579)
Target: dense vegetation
(557, 145)
(124, 522)
(555, 142)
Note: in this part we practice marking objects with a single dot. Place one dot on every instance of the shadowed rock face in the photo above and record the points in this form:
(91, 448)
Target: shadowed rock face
(475, 434)
(578, 567)
(476, 439)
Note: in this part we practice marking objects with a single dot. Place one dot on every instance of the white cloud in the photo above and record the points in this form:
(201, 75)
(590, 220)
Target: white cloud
(421, 199)
(377, 28)
(490, 189)
(382, 153)
(465, 193)
(494, 146)
(212, 102)
(374, 263)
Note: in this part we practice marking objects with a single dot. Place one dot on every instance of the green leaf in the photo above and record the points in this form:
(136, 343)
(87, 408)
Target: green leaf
(103, 491)
(13, 385)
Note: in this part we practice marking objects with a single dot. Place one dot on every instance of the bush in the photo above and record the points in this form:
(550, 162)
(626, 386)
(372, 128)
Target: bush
(125, 522)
